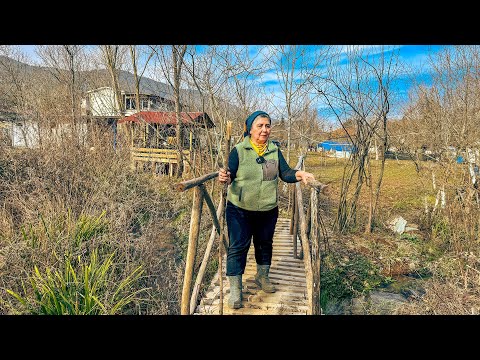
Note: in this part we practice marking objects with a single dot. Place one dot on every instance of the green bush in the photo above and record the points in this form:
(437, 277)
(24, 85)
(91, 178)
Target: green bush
(345, 279)
(441, 230)
(80, 288)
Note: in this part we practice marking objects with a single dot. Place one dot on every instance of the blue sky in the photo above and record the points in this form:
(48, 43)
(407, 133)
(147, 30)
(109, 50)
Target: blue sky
(411, 56)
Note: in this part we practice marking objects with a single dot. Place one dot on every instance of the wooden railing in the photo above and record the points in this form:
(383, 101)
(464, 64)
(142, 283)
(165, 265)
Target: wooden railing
(200, 193)
(153, 155)
(299, 220)
(309, 225)
(189, 298)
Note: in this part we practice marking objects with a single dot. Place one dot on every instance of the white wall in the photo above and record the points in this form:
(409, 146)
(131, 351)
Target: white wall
(103, 103)
(342, 154)
(25, 134)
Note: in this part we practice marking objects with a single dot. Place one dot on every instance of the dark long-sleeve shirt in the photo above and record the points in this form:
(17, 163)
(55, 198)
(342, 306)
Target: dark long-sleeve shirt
(286, 173)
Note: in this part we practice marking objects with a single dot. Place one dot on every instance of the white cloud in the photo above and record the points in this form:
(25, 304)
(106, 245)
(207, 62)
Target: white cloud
(367, 49)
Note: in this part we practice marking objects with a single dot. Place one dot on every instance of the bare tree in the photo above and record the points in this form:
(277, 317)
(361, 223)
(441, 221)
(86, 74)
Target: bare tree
(136, 53)
(224, 74)
(309, 127)
(113, 58)
(170, 59)
(65, 62)
(295, 67)
(208, 77)
(445, 117)
(14, 85)
(358, 89)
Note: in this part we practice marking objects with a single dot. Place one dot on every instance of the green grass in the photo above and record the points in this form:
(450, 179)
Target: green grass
(88, 227)
(65, 227)
(403, 189)
(410, 237)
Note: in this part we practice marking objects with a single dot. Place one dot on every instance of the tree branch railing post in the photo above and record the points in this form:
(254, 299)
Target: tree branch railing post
(192, 248)
(309, 236)
(314, 238)
(203, 265)
(189, 295)
(294, 223)
(223, 200)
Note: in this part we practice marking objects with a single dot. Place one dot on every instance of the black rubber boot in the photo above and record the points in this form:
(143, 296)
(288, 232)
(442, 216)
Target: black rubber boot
(235, 299)
(262, 280)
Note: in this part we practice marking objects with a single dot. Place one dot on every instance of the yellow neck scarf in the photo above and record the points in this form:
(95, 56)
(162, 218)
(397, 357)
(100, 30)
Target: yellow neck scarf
(259, 149)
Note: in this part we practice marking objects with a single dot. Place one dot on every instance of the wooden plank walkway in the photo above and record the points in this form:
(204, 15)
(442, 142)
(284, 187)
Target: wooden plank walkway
(286, 273)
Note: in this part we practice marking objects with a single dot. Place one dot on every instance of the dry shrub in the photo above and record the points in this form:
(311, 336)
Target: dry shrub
(70, 198)
(452, 246)
(444, 299)
(453, 288)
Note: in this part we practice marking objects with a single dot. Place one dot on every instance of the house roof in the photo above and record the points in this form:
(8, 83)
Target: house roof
(169, 118)
(335, 145)
(10, 116)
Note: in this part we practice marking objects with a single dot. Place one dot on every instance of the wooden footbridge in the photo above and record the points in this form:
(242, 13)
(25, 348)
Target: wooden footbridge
(295, 269)
(287, 274)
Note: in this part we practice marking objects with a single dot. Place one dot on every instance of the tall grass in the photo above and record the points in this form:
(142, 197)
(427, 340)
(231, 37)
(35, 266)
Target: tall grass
(68, 199)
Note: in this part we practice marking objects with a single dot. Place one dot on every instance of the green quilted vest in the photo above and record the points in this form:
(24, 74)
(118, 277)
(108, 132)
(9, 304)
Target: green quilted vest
(255, 186)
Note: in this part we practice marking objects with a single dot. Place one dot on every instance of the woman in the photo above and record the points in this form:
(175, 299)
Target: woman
(254, 166)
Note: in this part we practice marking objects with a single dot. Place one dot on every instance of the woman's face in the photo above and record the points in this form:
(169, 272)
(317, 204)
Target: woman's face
(260, 130)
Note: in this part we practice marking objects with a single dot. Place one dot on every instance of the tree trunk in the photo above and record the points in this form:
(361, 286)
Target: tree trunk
(178, 54)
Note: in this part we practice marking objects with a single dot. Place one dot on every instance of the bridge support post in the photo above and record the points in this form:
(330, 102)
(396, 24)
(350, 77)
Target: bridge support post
(192, 248)
(306, 249)
(315, 251)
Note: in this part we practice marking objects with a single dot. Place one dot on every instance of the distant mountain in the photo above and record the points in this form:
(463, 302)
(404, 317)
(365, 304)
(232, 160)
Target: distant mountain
(39, 77)
(127, 83)
(92, 79)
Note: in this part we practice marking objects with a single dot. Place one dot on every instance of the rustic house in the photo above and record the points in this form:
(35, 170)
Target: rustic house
(101, 103)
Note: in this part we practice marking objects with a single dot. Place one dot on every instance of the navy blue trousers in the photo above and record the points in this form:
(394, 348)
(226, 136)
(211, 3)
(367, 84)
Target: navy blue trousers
(242, 226)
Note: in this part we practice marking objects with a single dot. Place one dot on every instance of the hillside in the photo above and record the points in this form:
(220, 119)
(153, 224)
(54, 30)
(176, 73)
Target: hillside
(91, 79)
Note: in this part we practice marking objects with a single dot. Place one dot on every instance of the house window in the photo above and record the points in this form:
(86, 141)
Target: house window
(130, 103)
(144, 103)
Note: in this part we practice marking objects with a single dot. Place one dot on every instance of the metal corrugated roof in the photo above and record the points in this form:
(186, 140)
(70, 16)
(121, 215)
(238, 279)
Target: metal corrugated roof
(169, 118)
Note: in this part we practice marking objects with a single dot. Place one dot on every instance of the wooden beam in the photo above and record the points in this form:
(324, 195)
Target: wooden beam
(211, 207)
(132, 133)
(203, 265)
(295, 230)
(228, 130)
(223, 199)
(185, 185)
(308, 218)
(191, 140)
(192, 248)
